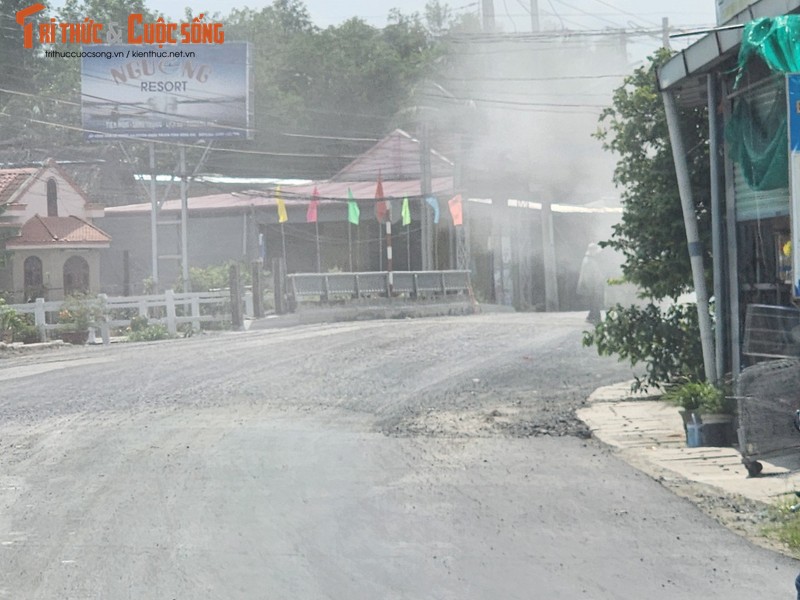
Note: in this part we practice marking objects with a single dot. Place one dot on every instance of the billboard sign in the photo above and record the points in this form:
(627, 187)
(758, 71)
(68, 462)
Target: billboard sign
(188, 91)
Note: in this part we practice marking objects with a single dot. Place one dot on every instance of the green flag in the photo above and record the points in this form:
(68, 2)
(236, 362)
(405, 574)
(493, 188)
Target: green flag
(406, 212)
(352, 208)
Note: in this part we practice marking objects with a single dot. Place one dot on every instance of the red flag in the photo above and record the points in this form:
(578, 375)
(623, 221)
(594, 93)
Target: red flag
(311, 213)
(381, 206)
(456, 210)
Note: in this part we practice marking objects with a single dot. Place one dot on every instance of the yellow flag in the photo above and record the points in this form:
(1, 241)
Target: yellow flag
(282, 216)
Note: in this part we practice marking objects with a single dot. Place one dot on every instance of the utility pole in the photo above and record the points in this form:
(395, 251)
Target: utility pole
(153, 218)
(692, 236)
(462, 233)
(535, 16)
(187, 285)
(425, 191)
(549, 255)
(488, 15)
(665, 32)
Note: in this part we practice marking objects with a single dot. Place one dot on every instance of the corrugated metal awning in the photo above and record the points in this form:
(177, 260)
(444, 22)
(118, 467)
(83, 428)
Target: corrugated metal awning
(682, 71)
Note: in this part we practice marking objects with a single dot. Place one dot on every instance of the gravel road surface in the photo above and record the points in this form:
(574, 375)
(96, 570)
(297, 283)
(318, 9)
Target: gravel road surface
(421, 459)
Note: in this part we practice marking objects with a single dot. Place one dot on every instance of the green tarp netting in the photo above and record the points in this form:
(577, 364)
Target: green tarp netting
(776, 40)
(759, 144)
(757, 135)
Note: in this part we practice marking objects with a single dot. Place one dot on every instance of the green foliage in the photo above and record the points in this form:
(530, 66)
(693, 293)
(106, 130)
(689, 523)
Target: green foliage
(19, 327)
(141, 330)
(149, 333)
(667, 342)
(138, 323)
(215, 277)
(81, 311)
(7, 316)
(651, 234)
(342, 82)
(785, 523)
(700, 396)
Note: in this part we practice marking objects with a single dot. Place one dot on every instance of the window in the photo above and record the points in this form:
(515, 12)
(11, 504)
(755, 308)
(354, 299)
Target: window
(76, 275)
(33, 282)
(52, 198)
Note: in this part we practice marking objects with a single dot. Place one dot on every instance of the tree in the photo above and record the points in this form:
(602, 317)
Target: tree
(327, 85)
(319, 94)
(651, 235)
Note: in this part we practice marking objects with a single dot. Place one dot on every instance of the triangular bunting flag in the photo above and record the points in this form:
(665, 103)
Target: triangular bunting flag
(434, 203)
(282, 216)
(311, 213)
(353, 213)
(381, 206)
(456, 210)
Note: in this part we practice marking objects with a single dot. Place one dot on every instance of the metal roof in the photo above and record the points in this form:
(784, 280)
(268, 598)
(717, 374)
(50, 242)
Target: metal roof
(680, 73)
(295, 195)
(396, 157)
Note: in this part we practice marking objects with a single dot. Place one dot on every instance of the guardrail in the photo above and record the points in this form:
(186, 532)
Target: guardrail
(327, 287)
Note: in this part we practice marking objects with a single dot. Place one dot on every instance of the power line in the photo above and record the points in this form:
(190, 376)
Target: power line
(594, 16)
(527, 79)
(176, 144)
(604, 3)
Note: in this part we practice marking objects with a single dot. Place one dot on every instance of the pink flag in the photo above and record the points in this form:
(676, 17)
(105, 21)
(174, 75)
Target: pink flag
(311, 213)
(456, 210)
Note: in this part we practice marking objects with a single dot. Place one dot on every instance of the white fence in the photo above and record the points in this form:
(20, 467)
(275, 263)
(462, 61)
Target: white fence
(170, 309)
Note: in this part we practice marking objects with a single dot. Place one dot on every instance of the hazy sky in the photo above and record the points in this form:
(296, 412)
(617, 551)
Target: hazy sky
(572, 14)
(511, 15)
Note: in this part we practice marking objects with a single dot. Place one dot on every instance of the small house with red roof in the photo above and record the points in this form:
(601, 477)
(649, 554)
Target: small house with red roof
(51, 247)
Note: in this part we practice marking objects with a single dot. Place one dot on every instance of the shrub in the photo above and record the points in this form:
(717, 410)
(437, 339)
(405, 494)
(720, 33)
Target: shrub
(149, 333)
(700, 396)
(138, 323)
(666, 342)
(16, 326)
(80, 311)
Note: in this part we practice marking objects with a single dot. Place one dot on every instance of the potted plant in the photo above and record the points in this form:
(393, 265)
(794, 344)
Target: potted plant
(687, 398)
(717, 414)
(703, 403)
(78, 313)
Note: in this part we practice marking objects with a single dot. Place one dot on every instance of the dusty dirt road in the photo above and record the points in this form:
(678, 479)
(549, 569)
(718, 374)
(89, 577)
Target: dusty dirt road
(418, 459)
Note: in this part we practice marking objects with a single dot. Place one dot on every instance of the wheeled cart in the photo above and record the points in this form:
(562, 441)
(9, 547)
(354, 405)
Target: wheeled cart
(768, 395)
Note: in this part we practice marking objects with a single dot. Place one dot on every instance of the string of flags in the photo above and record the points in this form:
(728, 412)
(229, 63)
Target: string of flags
(383, 207)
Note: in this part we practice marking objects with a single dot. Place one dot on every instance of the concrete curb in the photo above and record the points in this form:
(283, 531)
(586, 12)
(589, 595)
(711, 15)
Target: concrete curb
(20, 348)
(336, 314)
(648, 434)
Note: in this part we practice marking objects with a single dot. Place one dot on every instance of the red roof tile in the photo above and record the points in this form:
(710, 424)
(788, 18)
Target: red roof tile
(11, 180)
(65, 231)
